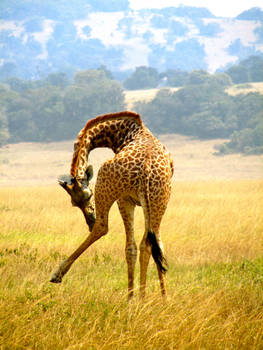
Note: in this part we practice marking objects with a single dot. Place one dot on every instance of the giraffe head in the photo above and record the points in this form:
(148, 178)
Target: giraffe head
(78, 189)
(81, 194)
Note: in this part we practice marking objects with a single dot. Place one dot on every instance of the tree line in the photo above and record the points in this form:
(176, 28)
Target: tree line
(246, 71)
(202, 108)
(56, 108)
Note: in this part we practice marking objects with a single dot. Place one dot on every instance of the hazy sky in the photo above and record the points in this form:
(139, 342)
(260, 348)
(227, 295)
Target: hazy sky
(224, 8)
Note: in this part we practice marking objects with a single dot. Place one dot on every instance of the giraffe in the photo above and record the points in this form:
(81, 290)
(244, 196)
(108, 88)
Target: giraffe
(139, 174)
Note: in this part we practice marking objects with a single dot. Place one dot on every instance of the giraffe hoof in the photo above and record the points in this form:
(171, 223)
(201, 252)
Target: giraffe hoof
(56, 278)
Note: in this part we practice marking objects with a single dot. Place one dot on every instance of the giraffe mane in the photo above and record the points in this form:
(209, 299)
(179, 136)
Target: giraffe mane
(101, 118)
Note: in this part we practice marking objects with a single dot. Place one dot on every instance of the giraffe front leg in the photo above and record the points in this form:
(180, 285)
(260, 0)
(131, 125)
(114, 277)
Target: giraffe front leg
(100, 229)
(66, 264)
(61, 271)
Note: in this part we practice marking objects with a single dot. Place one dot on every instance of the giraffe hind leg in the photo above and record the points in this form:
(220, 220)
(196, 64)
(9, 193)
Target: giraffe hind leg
(145, 254)
(126, 208)
(151, 245)
(159, 259)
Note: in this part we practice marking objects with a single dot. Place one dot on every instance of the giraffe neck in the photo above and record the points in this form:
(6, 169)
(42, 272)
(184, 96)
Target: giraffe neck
(113, 131)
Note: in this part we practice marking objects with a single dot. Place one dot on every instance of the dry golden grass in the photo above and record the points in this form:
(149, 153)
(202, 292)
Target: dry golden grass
(246, 88)
(212, 233)
(143, 95)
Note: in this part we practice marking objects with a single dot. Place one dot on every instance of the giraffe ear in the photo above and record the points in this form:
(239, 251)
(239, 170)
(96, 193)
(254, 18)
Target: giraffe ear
(89, 172)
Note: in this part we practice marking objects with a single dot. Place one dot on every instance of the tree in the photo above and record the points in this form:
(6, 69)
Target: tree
(57, 79)
(205, 125)
(222, 79)
(175, 77)
(106, 71)
(19, 85)
(4, 133)
(198, 77)
(34, 115)
(254, 65)
(164, 113)
(89, 77)
(248, 141)
(247, 108)
(143, 78)
(91, 94)
(239, 74)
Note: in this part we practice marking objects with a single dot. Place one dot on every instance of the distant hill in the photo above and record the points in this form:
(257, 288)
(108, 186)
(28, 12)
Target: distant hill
(40, 37)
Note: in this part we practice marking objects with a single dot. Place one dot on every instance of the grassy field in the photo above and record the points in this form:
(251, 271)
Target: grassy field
(213, 238)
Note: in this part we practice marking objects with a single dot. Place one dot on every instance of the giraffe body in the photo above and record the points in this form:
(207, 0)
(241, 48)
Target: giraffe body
(139, 174)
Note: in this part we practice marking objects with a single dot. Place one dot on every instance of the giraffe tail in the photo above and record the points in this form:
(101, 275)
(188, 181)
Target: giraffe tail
(157, 253)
